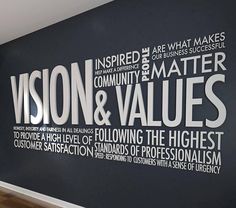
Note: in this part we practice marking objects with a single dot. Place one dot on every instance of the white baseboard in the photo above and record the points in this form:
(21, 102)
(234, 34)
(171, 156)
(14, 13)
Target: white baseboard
(36, 197)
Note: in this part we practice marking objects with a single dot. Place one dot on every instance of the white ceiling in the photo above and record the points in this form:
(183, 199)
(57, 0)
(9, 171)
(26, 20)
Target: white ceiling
(20, 17)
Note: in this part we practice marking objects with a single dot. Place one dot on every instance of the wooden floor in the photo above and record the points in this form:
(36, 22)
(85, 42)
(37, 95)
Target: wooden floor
(8, 200)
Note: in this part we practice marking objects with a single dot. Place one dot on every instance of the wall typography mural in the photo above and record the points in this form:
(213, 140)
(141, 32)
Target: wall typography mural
(128, 105)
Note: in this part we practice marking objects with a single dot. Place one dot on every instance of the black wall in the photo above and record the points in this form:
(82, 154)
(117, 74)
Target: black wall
(114, 28)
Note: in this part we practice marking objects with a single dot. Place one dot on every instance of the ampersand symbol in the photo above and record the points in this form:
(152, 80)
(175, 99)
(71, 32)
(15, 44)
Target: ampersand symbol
(101, 99)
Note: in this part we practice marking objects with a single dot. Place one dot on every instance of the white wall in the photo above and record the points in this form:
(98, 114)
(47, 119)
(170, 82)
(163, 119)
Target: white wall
(20, 17)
